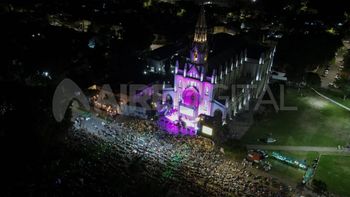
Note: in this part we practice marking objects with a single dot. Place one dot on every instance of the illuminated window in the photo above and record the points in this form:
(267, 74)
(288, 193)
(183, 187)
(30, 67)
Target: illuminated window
(195, 55)
(206, 91)
(179, 84)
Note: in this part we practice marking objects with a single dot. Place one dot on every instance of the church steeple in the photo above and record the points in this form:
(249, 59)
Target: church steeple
(199, 51)
(200, 34)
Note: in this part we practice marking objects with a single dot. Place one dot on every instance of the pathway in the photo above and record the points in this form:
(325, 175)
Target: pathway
(333, 70)
(331, 100)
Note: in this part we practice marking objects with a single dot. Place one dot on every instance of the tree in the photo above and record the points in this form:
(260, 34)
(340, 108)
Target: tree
(344, 86)
(300, 53)
(346, 63)
(313, 79)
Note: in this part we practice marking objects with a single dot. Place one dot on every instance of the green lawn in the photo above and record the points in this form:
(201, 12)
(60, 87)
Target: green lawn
(317, 122)
(286, 172)
(337, 96)
(335, 172)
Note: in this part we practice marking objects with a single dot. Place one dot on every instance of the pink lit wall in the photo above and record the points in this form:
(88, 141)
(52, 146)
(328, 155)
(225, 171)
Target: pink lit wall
(192, 92)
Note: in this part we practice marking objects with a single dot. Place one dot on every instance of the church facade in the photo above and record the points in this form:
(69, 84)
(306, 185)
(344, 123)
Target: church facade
(203, 89)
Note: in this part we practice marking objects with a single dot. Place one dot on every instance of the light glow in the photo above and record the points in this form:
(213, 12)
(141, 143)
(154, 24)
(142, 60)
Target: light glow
(186, 111)
(207, 130)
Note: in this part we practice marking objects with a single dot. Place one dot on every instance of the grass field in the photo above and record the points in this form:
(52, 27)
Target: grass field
(317, 122)
(337, 96)
(335, 172)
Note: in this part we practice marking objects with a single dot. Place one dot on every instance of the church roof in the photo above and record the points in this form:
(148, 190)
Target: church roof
(165, 52)
(223, 47)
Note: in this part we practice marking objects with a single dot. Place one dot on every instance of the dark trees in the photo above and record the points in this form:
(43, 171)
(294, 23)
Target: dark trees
(300, 53)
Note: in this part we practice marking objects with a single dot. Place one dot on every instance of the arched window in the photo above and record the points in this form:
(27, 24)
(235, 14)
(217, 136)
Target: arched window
(206, 90)
(195, 55)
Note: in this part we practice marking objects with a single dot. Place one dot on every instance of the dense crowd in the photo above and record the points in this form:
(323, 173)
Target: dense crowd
(187, 166)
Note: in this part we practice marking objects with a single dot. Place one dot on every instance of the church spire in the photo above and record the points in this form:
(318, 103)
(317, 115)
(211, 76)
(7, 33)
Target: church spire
(200, 34)
(199, 51)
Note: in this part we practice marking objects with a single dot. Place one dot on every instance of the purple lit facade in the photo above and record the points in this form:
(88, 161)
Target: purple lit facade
(197, 92)
(192, 94)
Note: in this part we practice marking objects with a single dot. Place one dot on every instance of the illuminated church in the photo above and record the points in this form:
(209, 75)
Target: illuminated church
(201, 88)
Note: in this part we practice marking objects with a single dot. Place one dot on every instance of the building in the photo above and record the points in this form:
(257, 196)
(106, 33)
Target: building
(159, 61)
(105, 100)
(203, 86)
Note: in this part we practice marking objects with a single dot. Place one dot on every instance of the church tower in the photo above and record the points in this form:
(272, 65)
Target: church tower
(199, 50)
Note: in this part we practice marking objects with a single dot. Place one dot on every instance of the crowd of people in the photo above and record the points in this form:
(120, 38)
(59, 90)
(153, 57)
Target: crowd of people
(186, 165)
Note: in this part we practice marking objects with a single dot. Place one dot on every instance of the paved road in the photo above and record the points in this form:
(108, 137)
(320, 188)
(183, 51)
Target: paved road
(326, 150)
(332, 71)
